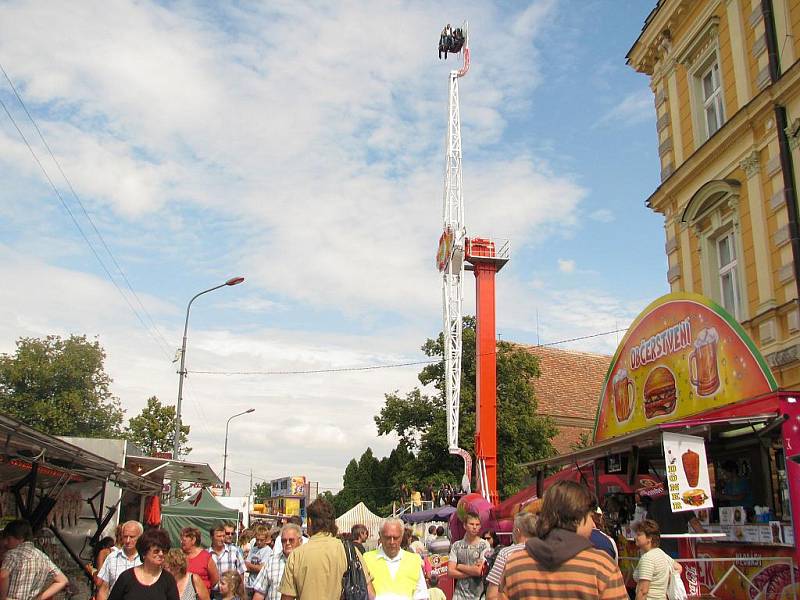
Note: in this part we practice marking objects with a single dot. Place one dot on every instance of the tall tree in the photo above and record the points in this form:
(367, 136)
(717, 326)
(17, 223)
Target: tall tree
(60, 387)
(419, 420)
(153, 429)
(262, 491)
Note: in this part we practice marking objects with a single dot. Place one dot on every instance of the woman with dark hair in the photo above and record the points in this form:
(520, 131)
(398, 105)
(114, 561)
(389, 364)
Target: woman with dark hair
(198, 560)
(560, 560)
(652, 574)
(492, 538)
(148, 581)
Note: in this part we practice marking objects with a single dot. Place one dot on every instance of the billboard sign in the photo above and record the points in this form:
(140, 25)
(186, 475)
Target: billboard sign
(683, 355)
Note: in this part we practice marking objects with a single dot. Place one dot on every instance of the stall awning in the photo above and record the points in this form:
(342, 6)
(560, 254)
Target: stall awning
(57, 460)
(174, 470)
(754, 410)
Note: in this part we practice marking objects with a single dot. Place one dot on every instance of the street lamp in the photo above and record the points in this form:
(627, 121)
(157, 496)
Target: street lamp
(182, 372)
(225, 453)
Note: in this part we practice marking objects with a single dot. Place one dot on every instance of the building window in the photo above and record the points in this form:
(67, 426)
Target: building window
(712, 98)
(700, 55)
(728, 273)
(713, 216)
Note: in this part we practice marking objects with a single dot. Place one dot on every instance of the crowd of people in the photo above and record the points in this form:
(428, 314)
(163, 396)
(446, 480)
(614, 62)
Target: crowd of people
(445, 495)
(558, 549)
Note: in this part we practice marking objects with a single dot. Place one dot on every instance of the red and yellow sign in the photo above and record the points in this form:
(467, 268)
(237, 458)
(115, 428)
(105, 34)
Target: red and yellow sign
(771, 577)
(682, 355)
(445, 249)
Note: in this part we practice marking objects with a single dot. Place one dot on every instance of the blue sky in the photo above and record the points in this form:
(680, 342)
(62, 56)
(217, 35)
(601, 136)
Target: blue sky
(277, 140)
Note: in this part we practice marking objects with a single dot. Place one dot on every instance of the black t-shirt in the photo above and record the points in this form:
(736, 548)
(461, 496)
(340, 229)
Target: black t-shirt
(127, 587)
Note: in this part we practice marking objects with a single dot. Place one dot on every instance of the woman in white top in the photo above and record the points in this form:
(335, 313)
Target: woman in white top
(652, 574)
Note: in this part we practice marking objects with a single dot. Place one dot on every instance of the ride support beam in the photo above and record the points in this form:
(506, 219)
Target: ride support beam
(486, 374)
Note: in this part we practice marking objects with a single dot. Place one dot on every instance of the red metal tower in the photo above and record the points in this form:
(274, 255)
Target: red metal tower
(485, 260)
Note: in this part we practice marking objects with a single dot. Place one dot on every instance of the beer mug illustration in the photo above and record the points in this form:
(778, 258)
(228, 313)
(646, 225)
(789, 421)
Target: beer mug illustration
(703, 370)
(624, 394)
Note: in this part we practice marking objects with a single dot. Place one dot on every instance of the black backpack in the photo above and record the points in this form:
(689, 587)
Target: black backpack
(354, 583)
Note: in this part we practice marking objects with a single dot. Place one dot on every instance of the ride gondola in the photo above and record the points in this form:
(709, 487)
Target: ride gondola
(451, 40)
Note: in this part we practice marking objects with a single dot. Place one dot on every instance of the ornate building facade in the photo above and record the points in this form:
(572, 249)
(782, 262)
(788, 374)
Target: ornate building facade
(726, 83)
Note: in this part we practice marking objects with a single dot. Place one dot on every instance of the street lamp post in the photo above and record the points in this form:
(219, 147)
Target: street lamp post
(182, 373)
(225, 453)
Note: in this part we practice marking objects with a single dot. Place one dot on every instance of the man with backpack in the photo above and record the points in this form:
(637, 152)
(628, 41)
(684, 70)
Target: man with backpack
(314, 571)
(397, 573)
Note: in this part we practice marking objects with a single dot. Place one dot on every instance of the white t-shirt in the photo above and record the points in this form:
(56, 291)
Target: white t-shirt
(654, 566)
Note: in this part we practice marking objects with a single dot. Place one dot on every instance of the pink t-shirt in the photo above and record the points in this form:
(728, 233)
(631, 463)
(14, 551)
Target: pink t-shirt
(199, 566)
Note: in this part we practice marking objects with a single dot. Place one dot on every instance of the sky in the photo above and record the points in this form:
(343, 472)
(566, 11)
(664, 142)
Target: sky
(301, 146)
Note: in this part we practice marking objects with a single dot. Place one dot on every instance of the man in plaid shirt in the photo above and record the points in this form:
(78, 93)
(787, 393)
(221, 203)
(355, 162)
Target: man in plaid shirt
(120, 559)
(226, 556)
(27, 572)
(267, 584)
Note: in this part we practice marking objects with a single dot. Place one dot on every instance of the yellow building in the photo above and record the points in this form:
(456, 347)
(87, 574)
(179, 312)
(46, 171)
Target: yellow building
(726, 82)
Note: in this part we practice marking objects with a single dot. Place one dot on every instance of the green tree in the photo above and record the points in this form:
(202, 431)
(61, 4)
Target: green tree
(584, 441)
(262, 491)
(419, 420)
(153, 429)
(60, 387)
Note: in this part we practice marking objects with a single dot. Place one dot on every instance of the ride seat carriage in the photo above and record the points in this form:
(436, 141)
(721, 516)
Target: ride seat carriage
(451, 42)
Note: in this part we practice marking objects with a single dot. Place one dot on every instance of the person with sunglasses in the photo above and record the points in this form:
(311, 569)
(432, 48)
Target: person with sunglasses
(148, 581)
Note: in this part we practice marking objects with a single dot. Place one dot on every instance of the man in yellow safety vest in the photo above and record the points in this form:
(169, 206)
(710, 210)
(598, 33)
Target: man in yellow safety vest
(397, 573)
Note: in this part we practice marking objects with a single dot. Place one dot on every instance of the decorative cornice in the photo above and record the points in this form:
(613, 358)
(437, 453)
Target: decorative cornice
(700, 44)
(750, 164)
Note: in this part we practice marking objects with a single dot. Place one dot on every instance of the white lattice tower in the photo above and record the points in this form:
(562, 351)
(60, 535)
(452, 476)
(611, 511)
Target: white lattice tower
(453, 274)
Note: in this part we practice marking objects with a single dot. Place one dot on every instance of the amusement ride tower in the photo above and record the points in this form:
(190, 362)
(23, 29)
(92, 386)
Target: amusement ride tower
(485, 260)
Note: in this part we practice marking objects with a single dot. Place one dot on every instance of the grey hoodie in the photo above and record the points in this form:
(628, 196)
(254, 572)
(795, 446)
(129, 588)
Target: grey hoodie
(557, 548)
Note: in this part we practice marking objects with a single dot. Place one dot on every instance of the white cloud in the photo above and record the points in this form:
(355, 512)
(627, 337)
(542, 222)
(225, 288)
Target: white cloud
(634, 108)
(566, 265)
(602, 215)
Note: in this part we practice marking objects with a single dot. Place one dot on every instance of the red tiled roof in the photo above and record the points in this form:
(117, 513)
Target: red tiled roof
(568, 389)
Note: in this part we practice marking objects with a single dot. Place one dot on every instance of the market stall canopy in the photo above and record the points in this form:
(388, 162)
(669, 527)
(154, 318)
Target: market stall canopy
(201, 510)
(58, 460)
(360, 514)
(442, 513)
(174, 470)
(583, 472)
(764, 410)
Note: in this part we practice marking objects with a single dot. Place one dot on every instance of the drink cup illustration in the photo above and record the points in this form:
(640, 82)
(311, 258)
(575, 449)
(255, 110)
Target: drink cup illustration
(703, 370)
(624, 393)
(691, 467)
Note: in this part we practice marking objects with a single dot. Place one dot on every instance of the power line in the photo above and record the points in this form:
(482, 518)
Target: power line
(158, 337)
(386, 366)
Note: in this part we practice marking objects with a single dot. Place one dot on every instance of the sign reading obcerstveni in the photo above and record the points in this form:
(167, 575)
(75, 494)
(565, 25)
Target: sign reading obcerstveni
(682, 356)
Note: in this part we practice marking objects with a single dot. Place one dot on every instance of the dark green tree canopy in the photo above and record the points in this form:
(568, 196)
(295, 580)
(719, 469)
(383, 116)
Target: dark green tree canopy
(153, 429)
(59, 386)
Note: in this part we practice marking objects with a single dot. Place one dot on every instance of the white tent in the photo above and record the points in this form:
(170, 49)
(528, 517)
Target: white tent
(360, 514)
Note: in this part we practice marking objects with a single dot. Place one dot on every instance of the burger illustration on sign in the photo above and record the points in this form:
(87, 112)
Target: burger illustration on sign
(660, 393)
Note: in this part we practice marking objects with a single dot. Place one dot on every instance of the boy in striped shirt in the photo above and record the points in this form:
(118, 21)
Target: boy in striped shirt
(560, 561)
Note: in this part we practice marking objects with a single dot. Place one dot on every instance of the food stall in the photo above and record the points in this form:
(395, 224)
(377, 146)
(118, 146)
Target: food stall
(689, 400)
(62, 490)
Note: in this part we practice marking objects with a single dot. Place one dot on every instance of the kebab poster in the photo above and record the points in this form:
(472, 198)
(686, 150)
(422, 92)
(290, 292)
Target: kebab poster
(682, 356)
(687, 472)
